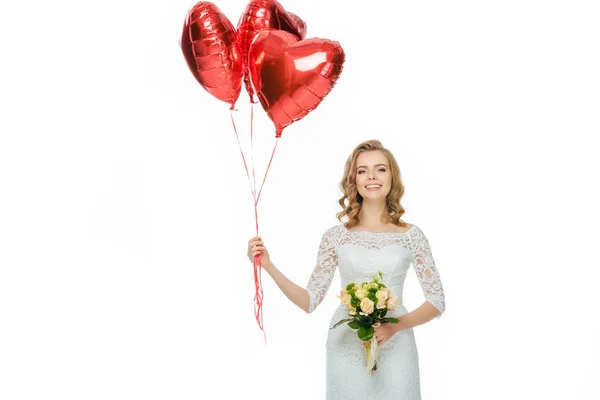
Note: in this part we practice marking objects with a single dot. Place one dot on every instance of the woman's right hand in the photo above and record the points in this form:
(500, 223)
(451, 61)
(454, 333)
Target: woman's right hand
(256, 246)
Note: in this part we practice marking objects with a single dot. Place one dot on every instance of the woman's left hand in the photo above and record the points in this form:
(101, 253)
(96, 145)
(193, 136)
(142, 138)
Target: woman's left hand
(384, 332)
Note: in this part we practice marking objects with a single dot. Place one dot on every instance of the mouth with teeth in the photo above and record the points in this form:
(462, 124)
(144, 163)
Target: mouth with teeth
(373, 187)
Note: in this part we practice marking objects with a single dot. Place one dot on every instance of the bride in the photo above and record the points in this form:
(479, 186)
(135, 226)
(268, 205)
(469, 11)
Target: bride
(373, 238)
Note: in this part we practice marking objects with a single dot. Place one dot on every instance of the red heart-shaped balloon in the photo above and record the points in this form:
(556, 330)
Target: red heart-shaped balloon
(299, 25)
(292, 77)
(260, 15)
(210, 46)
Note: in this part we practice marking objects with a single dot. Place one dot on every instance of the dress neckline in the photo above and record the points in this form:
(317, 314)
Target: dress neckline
(379, 233)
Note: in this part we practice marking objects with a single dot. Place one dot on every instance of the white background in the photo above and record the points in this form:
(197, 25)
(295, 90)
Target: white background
(126, 209)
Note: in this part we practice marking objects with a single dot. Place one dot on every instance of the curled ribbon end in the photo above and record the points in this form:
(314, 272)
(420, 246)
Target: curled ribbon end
(258, 297)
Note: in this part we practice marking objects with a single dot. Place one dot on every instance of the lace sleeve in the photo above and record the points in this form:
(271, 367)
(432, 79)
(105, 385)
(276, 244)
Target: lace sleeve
(323, 273)
(427, 273)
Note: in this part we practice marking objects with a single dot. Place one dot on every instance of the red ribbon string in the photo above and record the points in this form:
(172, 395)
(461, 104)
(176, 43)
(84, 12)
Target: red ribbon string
(259, 295)
(242, 153)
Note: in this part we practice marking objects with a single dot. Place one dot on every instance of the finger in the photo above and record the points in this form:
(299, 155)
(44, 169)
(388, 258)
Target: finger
(252, 253)
(255, 248)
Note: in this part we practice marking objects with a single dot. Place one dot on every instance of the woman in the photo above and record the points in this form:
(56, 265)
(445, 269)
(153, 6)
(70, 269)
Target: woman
(372, 239)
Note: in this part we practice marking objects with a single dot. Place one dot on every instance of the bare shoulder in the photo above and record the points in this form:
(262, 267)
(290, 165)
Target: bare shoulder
(404, 229)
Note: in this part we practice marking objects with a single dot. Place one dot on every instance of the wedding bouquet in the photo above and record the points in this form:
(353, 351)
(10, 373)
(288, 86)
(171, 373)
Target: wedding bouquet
(367, 304)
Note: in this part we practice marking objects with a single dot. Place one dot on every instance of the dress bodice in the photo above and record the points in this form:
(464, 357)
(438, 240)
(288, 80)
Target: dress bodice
(360, 255)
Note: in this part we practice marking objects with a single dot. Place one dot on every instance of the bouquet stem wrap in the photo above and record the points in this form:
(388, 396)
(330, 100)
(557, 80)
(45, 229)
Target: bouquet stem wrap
(372, 350)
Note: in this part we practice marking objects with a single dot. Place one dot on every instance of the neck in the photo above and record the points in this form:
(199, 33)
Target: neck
(372, 214)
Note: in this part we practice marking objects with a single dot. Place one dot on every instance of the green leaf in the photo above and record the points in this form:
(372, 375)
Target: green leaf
(341, 322)
(349, 286)
(354, 324)
(394, 320)
(355, 302)
(366, 333)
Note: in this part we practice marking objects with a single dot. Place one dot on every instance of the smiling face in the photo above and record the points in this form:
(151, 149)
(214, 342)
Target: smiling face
(373, 176)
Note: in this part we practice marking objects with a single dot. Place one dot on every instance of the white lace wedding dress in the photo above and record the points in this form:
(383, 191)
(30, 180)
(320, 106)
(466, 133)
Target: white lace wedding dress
(359, 256)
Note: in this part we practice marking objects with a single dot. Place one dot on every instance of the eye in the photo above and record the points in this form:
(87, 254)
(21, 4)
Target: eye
(381, 169)
(361, 171)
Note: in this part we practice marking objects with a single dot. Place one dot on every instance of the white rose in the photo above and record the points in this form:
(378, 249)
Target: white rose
(392, 302)
(367, 306)
(346, 300)
(381, 294)
(387, 292)
(360, 294)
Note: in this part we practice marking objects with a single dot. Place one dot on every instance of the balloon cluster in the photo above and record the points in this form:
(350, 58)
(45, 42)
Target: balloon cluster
(268, 52)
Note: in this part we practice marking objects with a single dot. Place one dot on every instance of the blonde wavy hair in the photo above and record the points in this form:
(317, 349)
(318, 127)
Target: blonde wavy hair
(351, 201)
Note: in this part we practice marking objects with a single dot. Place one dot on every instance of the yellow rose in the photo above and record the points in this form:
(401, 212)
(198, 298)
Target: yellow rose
(367, 306)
